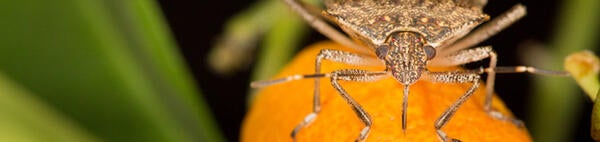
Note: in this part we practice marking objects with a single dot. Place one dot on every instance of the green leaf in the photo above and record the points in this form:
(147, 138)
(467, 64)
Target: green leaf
(595, 130)
(109, 65)
(584, 67)
(556, 101)
(26, 118)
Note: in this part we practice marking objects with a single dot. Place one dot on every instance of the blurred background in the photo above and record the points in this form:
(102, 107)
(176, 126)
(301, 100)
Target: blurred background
(145, 70)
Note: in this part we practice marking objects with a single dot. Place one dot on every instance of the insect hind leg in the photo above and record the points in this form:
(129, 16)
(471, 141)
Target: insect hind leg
(487, 30)
(309, 14)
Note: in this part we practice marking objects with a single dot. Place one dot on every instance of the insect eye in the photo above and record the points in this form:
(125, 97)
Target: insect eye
(381, 51)
(430, 51)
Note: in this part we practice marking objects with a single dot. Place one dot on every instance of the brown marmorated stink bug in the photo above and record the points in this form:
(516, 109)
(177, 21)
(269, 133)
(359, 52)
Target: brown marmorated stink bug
(407, 37)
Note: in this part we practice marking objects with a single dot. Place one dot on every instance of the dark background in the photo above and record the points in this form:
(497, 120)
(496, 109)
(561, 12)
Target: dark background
(196, 25)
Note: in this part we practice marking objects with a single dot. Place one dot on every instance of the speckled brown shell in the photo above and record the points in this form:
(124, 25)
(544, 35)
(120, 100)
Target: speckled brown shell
(441, 22)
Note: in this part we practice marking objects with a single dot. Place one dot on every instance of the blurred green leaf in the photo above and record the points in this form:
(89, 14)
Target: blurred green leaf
(279, 46)
(584, 67)
(595, 130)
(282, 30)
(557, 101)
(109, 65)
(25, 118)
(242, 32)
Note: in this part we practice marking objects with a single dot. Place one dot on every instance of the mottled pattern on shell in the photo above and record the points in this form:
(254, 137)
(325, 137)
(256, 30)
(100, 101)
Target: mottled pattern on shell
(372, 21)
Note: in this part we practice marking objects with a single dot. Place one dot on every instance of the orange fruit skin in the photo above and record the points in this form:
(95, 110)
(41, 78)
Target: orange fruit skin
(277, 109)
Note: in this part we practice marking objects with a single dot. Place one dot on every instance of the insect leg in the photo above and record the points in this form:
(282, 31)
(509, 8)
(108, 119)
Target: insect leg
(307, 12)
(336, 56)
(513, 69)
(464, 57)
(524, 69)
(356, 75)
(476, 54)
(453, 77)
(325, 54)
(472, 55)
(489, 29)
(342, 57)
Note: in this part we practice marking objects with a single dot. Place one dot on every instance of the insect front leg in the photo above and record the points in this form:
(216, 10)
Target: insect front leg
(309, 14)
(476, 54)
(453, 77)
(342, 57)
(473, 55)
(480, 53)
(335, 56)
(356, 75)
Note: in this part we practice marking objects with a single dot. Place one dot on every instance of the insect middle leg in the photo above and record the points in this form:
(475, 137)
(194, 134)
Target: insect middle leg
(345, 75)
(510, 69)
(453, 77)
